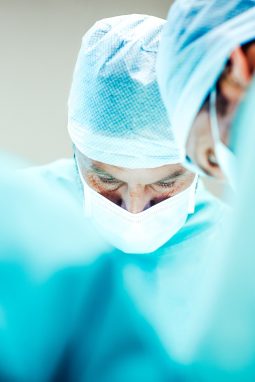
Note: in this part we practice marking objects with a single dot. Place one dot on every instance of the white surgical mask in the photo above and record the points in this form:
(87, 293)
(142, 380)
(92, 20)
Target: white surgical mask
(144, 232)
(225, 157)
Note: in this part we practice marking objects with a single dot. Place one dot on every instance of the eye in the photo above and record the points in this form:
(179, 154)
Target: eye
(108, 180)
(165, 184)
(107, 183)
(212, 160)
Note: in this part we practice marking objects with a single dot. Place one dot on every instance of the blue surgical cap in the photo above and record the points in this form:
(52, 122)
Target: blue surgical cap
(195, 47)
(116, 115)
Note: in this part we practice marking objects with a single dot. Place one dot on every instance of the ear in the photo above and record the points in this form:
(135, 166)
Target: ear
(239, 68)
(238, 76)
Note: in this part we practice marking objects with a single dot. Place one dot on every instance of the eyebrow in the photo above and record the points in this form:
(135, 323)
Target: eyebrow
(174, 175)
(100, 171)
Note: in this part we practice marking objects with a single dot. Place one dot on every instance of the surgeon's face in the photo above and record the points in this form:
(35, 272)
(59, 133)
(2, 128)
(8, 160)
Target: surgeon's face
(135, 190)
(200, 146)
(231, 88)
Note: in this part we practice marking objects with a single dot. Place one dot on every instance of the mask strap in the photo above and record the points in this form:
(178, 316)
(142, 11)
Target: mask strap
(87, 196)
(192, 199)
(222, 151)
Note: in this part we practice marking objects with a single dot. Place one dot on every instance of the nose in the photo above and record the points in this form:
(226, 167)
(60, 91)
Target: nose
(136, 200)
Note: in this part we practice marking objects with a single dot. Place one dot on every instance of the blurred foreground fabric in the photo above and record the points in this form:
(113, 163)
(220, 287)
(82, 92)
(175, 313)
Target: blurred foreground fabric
(65, 314)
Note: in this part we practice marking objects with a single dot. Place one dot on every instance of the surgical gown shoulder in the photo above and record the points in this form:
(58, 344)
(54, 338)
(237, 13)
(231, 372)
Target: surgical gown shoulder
(62, 173)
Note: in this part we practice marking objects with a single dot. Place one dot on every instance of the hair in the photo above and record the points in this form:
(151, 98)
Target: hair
(246, 46)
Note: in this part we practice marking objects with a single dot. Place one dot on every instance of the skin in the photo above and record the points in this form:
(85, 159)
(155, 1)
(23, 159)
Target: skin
(231, 89)
(134, 189)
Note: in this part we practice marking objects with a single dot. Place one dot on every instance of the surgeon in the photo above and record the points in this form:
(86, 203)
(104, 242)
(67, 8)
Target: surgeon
(214, 46)
(125, 154)
(127, 178)
(205, 66)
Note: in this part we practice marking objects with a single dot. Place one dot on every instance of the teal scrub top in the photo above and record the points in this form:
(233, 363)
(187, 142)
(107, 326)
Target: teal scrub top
(164, 285)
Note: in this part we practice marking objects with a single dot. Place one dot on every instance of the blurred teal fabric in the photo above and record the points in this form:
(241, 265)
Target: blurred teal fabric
(163, 285)
(65, 314)
(224, 348)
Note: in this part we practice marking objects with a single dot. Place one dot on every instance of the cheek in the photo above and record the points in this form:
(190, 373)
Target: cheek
(191, 145)
(187, 182)
(94, 183)
(113, 196)
(158, 197)
(200, 137)
(180, 186)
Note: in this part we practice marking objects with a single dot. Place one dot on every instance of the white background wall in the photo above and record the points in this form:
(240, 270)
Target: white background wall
(39, 42)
